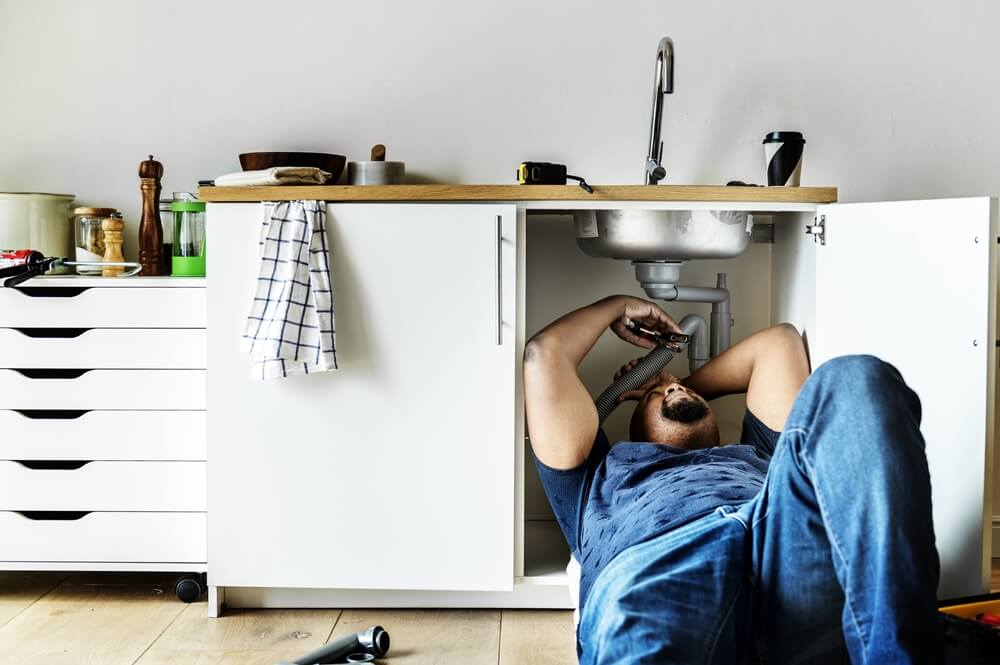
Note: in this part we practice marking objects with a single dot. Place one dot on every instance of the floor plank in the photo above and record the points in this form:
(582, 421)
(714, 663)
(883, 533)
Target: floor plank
(85, 624)
(106, 620)
(539, 637)
(240, 637)
(19, 590)
(431, 637)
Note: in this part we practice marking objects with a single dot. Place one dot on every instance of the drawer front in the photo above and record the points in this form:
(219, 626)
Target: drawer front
(77, 307)
(103, 389)
(103, 348)
(109, 537)
(102, 435)
(104, 486)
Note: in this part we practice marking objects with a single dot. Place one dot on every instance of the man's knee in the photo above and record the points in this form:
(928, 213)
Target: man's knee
(858, 369)
(859, 375)
(859, 385)
(865, 390)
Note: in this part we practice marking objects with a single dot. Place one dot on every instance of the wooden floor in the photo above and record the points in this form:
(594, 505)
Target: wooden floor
(112, 619)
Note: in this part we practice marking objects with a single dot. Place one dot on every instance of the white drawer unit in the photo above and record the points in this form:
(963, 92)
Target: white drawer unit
(102, 426)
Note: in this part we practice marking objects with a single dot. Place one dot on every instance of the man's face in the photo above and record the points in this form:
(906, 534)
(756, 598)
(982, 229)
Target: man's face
(672, 414)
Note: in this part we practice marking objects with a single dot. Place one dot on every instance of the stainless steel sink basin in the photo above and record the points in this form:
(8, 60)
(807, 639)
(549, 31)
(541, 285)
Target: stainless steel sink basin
(662, 235)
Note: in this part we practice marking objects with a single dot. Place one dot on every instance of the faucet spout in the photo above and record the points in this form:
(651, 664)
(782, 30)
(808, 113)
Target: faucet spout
(663, 85)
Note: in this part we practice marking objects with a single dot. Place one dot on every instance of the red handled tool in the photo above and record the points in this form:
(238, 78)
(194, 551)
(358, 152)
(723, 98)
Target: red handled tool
(19, 265)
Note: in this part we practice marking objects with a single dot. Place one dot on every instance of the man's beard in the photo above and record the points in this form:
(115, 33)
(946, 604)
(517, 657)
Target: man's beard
(684, 410)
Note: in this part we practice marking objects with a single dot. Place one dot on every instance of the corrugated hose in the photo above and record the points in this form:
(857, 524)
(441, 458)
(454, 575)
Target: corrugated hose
(644, 370)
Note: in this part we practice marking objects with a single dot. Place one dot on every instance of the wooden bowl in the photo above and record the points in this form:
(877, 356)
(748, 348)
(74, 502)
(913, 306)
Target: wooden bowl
(332, 164)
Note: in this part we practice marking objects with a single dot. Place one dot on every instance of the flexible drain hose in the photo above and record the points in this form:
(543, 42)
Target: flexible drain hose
(644, 370)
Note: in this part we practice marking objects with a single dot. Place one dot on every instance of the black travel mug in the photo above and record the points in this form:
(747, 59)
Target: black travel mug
(783, 155)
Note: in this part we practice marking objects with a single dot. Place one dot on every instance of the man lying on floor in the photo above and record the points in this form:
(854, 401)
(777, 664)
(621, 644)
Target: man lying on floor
(810, 545)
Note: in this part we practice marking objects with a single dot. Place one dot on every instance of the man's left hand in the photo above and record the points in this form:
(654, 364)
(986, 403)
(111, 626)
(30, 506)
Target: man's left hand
(645, 313)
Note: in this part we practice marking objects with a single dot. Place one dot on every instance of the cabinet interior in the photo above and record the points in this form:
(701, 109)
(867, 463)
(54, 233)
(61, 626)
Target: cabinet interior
(559, 277)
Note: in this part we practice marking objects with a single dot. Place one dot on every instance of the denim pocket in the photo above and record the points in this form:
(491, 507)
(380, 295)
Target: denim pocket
(733, 514)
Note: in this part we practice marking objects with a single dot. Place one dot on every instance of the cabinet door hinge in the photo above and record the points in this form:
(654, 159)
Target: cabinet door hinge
(818, 229)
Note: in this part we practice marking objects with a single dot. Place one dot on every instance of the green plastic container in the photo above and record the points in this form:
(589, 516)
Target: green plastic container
(188, 258)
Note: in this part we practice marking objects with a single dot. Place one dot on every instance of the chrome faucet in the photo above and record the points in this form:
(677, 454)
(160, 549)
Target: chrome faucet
(663, 85)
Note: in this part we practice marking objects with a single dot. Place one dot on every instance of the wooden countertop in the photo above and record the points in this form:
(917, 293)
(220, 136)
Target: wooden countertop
(694, 193)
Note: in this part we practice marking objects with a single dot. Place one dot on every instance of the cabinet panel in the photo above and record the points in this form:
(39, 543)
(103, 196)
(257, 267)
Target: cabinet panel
(102, 435)
(37, 304)
(915, 284)
(107, 537)
(105, 486)
(395, 471)
(102, 389)
(103, 348)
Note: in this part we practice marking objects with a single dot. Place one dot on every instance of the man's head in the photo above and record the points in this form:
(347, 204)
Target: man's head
(671, 414)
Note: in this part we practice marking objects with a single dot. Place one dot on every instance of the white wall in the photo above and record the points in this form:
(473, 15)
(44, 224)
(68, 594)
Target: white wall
(897, 99)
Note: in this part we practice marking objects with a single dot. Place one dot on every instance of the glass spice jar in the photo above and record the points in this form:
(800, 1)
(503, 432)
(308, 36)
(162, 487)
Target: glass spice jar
(90, 237)
(167, 224)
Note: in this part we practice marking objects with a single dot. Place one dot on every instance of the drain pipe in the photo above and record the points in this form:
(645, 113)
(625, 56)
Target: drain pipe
(659, 280)
(721, 319)
(698, 354)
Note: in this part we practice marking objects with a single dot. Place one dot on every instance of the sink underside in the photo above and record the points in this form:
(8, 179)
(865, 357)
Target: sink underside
(662, 235)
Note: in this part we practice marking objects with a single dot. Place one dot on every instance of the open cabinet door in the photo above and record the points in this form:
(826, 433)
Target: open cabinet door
(914, 283)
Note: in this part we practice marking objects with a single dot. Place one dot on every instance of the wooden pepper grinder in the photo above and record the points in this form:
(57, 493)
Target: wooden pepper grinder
(150, 228)
(113, 239)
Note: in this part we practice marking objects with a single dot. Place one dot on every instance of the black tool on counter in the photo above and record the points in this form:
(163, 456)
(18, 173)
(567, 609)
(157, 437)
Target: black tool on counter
(361, 647)
(547, 173)
(19, 265)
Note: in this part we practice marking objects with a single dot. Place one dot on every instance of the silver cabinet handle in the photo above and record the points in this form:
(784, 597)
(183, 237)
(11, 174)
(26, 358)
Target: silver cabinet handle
(499, 261)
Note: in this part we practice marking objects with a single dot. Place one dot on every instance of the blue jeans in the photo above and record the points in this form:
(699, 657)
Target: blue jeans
(833, 559)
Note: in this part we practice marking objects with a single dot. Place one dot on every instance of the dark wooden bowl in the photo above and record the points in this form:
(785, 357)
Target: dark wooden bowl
(332, 164)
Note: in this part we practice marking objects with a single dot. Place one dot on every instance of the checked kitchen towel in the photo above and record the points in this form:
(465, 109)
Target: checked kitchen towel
(290, 328)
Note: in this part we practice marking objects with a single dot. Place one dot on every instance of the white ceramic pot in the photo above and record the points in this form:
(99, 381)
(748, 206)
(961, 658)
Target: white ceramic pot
(37, 221)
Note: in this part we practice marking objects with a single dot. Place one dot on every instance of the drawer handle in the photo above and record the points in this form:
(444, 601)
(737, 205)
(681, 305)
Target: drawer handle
(51, 373)
(51, 291)
(62, 515)
(52, 414)
(63, 333)
(52, 465)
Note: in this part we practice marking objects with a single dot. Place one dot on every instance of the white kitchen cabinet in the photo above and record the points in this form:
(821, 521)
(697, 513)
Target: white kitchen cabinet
(405, 478)
(395, 471)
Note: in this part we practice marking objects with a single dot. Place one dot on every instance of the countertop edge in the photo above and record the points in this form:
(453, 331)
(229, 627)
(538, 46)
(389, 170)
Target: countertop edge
(459, 193)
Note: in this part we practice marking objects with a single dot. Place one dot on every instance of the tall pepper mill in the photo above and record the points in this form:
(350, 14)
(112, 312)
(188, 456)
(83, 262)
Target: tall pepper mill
(150, 229)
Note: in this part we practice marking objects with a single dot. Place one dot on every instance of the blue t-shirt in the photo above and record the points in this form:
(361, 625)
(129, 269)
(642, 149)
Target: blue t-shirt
(629, 493)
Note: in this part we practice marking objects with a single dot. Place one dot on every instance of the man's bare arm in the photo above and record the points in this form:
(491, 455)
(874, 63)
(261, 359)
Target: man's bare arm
(562, 419)
(769, 366)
